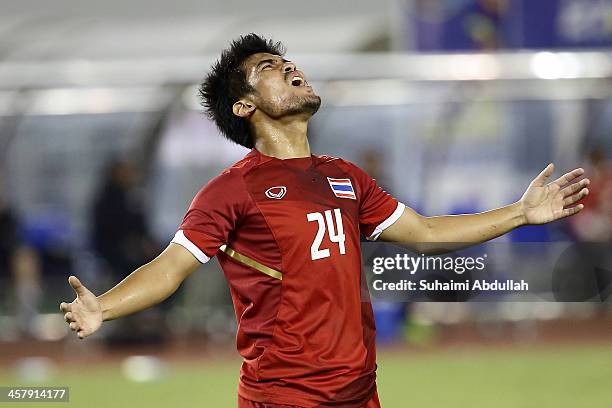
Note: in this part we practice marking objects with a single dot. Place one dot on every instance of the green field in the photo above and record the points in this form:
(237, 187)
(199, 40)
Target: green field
(538, 378)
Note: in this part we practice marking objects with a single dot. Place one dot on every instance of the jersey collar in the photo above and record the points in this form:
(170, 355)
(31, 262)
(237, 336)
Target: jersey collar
(299, 162)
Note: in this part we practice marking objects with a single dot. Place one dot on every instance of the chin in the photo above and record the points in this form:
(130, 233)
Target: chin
(297, 105)
(309, 104)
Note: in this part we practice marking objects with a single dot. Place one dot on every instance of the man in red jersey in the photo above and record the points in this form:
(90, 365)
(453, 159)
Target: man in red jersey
(285, 227)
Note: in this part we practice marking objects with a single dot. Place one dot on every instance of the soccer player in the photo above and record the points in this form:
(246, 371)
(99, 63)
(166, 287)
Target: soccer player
(285, 226)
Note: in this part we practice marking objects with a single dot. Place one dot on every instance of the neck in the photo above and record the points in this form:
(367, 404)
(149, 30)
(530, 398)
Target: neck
(283, 139)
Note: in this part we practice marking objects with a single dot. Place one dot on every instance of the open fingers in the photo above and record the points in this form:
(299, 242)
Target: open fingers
(540, 180)
(574, 187)
(572, 210)
(568, 177)
(575, 197)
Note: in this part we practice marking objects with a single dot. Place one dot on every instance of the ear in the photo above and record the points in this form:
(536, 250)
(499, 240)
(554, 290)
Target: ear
(243, 108)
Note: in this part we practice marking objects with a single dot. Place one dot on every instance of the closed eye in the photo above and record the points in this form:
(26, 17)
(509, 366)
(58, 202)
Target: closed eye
(265, 65)
(268, 63)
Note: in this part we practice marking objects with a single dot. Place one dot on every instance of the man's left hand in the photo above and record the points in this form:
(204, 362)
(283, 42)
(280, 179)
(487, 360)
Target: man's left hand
(543, 203)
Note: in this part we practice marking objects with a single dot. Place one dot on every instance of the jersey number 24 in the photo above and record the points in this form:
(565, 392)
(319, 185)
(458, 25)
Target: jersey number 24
(326, 223)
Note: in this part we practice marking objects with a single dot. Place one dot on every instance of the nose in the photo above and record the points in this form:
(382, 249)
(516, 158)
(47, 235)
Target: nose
(289, 67)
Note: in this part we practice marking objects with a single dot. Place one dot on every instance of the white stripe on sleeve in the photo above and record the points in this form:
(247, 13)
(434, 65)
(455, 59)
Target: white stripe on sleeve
(388, 222)
(182, 240)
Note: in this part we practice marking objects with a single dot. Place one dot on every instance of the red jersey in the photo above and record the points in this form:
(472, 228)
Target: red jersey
(287, 236)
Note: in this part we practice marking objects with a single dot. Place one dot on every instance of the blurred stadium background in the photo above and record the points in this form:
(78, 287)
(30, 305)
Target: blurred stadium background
(453, 105)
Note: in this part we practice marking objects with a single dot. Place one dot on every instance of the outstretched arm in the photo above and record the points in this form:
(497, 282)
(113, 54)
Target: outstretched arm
(145, 287)
(541, 203)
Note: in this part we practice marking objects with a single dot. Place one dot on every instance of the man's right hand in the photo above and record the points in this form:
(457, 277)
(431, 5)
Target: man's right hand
(84, 314)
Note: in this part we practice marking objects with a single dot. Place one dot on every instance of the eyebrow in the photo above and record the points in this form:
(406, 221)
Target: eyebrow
(269, 60)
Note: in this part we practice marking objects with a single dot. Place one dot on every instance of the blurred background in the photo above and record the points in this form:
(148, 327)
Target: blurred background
(452, 105)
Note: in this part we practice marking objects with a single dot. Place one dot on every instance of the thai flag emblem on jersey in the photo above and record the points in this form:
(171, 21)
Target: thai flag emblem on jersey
(342, 188)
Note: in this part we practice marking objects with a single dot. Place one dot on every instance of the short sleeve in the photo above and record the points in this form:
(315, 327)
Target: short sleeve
(213, 214)
(378, 210)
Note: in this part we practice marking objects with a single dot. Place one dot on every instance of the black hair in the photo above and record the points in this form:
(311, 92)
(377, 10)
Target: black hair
(226, 83)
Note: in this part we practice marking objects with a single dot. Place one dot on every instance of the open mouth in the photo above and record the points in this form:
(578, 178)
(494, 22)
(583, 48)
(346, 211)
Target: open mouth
(298, 81)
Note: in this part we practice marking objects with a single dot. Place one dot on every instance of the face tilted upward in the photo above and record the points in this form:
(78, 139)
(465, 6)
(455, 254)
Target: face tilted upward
(280, 89)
